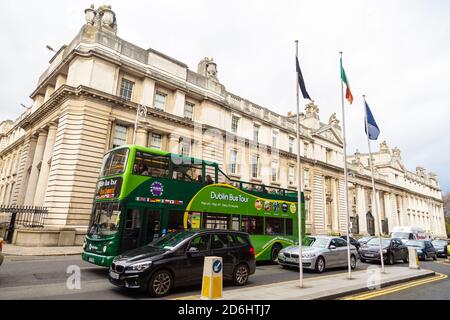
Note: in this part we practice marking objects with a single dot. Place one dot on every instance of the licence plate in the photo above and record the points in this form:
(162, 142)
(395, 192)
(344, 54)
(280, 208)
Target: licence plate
(114, 275)
(291, 260)
(91, 260)
(370, 255)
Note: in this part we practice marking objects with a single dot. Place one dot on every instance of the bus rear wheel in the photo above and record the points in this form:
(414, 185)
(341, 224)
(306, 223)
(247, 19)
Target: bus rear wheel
(160, 283)
(276, 248)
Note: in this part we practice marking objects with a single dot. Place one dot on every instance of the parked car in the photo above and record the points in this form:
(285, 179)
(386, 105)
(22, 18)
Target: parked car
(320, 253)
(407, 233)
(353, 242)
(425, 249)
(1, 249)
(362, 241)
(177, 259)
(441, 247)
(392, 249)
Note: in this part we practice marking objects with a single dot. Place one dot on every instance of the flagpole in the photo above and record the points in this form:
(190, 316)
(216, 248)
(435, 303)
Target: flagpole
(345, 176)
(374, 200)
(299, 182)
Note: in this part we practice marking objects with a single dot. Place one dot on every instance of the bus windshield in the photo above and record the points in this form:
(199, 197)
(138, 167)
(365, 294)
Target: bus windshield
(114, 162)
(105, 219)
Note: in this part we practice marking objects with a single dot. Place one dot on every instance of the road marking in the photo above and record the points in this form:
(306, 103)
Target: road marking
(396, 288)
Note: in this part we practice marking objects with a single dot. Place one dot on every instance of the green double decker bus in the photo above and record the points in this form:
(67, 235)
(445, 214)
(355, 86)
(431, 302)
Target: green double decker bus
(143, 194)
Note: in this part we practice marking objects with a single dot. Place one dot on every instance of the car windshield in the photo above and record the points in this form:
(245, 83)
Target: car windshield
(171, 240)
(105, 220)
(439, 243)
(364, 239)
(417, 244)
(376, 242)
(401, 235)
(316, 242)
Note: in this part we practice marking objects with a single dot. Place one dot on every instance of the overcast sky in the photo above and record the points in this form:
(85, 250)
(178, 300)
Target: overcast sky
(395, 52)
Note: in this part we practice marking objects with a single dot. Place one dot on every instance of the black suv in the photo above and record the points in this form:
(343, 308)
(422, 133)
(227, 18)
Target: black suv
(177, 259)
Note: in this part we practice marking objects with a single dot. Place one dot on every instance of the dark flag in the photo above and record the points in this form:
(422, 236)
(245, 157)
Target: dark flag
(372, 126)
(301, 81)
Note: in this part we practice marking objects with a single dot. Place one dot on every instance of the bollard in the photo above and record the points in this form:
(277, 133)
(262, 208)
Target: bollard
(413, 258)
(212, 278)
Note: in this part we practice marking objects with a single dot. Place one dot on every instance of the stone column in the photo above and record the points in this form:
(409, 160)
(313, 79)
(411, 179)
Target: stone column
(148, 92)
(174, 141)
(28, 154)
(361, 209)
(45, 166)
(334, 204)
(48, 92)
(34, 174)
(141, 137)
(180, 100)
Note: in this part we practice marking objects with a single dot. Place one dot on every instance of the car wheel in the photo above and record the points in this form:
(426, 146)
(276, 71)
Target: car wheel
(352, 262)
(276, 248)
(406, 260)
(241, 274)
(390, 259)
(435, 257)
(160, 283)
(320, 264)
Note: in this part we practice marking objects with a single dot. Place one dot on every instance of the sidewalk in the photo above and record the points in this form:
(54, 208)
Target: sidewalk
(12, 250)
(325, 287)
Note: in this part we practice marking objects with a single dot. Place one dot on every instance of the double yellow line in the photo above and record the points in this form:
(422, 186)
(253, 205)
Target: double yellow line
(396, 288)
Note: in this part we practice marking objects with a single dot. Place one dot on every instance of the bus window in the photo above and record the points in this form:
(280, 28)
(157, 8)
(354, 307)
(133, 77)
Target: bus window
(176, 221)
(235, 223)
(274, 226)
(216, 221)
(289, 230)
(147, 164)
(114, 162)
(187, 172)
(252, 225)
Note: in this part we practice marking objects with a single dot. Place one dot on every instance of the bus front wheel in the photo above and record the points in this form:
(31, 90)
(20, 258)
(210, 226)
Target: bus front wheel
(276, 248)
(160, 283)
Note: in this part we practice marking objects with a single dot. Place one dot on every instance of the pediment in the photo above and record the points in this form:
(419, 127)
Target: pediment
(330, 134)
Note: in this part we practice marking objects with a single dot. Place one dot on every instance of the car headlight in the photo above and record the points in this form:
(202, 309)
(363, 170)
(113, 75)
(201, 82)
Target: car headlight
(281, 254)
(419, 251)
(138, 267)
(84, 244)
(308, 255)
(384, 251)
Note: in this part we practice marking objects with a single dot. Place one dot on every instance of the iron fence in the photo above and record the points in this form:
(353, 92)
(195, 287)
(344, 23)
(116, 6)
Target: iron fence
(26, 216)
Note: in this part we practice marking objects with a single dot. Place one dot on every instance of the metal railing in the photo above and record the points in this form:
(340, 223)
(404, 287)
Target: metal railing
(26, 216)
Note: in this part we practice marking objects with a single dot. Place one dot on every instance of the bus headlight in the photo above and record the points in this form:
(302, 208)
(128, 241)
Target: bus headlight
(84, 244)
(138, 267)
(104, 248)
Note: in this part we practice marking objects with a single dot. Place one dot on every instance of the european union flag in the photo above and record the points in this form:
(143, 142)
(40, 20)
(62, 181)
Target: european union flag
(372, 126)
(301, 81)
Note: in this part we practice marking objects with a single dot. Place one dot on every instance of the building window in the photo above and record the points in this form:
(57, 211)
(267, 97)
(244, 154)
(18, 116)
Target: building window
(291, 144)
(126, 89)
(274, 170)
(234, 124)
(185, 147)
(233, 161)
(255, 164)
(291, 176)
(160, 101)
(274, 139)
(189, 110)
(156, 141)
(120, 135)
(307, 211)
(329, 154)
(306, 178)
(306, 150)
(255, 133)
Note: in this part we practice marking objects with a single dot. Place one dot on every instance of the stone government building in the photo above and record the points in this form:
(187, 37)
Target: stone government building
(85, 103)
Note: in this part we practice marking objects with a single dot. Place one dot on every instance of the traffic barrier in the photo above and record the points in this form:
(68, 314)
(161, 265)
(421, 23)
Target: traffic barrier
(413, 258)
(212, 278)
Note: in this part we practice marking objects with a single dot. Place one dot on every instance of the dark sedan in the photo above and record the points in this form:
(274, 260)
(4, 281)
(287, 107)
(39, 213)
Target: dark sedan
(177, 259)
(425, 249)
(362, 241)
(353, 242)
(392, 249)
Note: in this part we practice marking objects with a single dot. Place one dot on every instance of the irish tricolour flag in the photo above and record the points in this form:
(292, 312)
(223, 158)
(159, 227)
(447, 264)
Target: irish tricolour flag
(348, 93)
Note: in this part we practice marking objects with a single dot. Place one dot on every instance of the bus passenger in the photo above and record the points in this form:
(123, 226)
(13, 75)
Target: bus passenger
(200, 178)
(209, 180)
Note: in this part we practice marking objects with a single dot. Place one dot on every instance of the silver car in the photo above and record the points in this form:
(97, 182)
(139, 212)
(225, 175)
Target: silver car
(321, 252)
